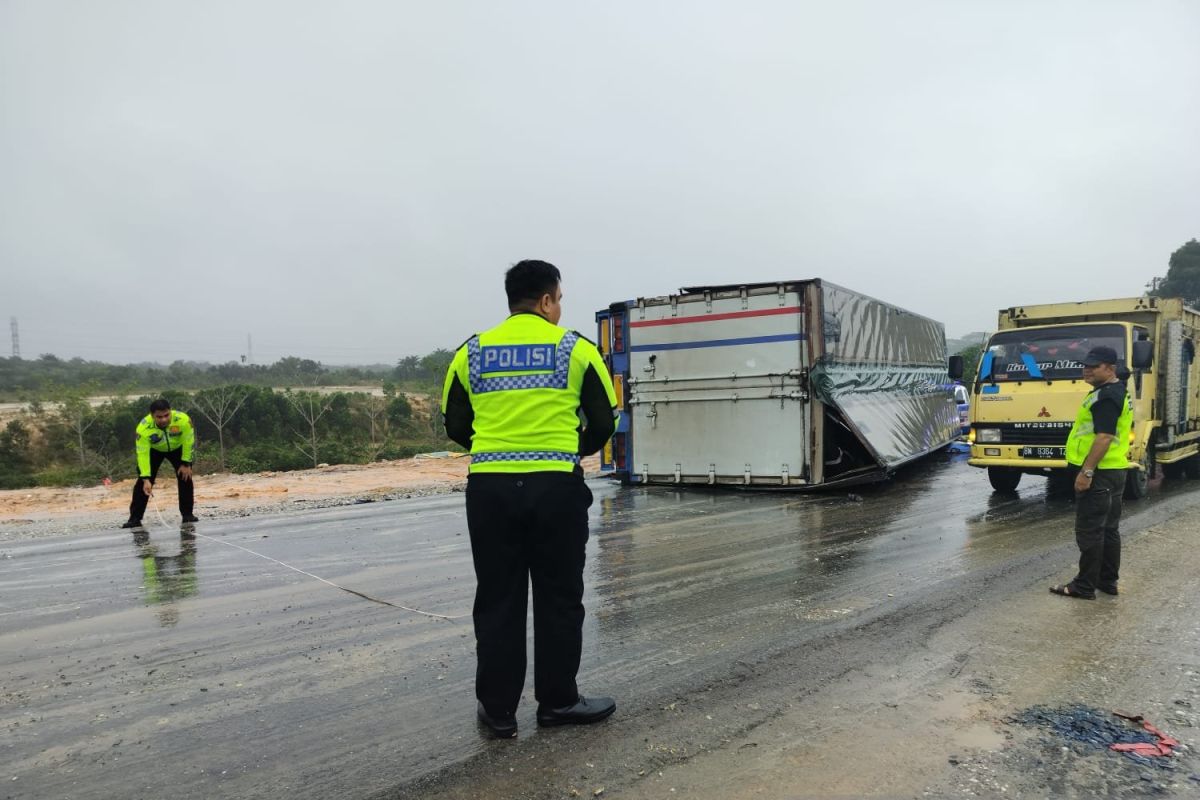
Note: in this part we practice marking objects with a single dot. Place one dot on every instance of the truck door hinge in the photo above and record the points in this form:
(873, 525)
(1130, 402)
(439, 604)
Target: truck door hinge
(783, 471)
(746, 475)
(712, 474)
(677, 471)
(745, 298)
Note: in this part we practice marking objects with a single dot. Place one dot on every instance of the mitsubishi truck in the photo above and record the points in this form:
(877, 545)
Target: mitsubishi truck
(1029, 385)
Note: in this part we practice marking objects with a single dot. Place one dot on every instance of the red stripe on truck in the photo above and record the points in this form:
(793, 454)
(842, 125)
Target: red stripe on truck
(769, 312)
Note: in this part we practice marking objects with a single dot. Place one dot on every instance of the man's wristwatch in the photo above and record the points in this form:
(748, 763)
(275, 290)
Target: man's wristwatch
(1089, 473)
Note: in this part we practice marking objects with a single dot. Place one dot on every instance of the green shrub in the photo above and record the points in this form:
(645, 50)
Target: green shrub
(17, 480)
(68, 476)
(266, 457)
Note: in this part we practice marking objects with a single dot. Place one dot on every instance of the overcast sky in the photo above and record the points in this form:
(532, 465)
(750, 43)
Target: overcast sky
(348, 181)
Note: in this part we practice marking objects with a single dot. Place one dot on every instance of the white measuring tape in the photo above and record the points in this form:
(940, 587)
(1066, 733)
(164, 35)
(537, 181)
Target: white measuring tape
(163, 522)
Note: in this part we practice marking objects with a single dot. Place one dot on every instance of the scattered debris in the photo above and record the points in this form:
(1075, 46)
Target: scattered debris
(1162, 746)
(1101, 729)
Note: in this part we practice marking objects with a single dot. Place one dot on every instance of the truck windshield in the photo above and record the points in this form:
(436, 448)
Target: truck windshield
(1046, 354)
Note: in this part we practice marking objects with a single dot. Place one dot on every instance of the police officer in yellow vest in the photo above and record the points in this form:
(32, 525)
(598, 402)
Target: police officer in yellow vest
(164, 435)
(1098, 447)
(529, 399)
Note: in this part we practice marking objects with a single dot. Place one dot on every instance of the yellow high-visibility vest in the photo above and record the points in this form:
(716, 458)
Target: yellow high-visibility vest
(179, 433)
(1083, 435)
(524, 379)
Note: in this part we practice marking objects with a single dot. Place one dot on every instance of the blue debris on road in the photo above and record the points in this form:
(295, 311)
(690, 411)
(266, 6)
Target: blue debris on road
(1091, 726)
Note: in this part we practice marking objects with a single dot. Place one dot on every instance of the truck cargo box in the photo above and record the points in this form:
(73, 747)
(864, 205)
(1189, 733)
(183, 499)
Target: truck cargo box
(794, 384)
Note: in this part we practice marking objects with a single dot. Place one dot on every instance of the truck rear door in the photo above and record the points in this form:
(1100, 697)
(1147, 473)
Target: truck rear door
(717, 389)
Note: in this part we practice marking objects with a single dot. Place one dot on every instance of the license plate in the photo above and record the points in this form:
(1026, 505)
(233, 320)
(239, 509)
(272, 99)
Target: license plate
(1043, 452)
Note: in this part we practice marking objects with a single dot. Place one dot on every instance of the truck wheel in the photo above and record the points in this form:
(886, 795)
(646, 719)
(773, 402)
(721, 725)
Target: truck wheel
(1191, 467)
(1137, 484)
(1004, 479)
(1060, 483)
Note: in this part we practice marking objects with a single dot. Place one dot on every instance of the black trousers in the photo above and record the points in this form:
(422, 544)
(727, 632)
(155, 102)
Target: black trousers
(1098, 531)
(528, 527)
(137, 507)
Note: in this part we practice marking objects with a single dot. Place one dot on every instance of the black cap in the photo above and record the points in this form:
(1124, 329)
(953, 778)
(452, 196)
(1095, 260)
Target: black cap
(1100, 355)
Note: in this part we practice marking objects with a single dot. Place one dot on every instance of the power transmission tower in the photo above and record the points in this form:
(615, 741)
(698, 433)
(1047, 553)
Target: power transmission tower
(16, 337)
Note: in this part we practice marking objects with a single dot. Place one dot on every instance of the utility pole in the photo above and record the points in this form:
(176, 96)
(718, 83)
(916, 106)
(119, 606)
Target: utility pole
(16, 337)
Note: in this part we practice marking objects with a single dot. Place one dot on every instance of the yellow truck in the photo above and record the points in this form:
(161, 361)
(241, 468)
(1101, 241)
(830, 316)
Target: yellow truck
(1029, 385)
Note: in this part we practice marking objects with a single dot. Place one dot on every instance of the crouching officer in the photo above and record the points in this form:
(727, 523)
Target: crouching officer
(163, 435)
(515, 396)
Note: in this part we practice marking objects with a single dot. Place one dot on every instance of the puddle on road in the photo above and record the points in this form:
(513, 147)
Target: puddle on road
(823, 614)
(694, 556)
(962, 712)
(167, 579)
(979, 737)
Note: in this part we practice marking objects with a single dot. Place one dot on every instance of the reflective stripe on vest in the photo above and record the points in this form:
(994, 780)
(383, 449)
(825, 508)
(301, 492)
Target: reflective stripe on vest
(537, 455)
(523, 422)
(499, 383)
(1083, 435)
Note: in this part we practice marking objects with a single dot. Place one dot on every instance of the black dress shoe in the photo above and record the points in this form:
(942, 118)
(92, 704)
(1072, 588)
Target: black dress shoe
(190, 518)
(585, 711)
(501, 726)
(132, 523)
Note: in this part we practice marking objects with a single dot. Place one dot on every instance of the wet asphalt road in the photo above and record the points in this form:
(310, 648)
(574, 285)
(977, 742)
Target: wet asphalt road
(132, 669)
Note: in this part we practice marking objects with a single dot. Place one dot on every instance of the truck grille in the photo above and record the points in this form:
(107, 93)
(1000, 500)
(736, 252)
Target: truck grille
(1039, 433)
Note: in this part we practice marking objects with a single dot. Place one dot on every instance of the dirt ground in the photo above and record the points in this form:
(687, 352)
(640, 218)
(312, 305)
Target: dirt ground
(227, 492)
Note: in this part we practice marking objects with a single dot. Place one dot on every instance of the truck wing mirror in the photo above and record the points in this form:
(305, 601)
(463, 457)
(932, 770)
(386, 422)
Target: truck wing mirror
(956, 368)
(1143, 355)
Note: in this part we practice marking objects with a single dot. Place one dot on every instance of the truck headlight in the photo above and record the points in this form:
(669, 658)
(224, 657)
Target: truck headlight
(987, 435)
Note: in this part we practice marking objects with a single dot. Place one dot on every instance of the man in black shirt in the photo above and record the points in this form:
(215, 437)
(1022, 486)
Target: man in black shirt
(1098, 447)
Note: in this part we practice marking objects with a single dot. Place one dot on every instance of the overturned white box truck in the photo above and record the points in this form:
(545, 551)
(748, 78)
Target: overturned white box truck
(797, 384)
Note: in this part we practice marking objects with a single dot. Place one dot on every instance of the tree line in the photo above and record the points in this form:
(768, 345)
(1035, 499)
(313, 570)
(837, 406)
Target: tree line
(32, 379)
(239, 428)
(1183, 275)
